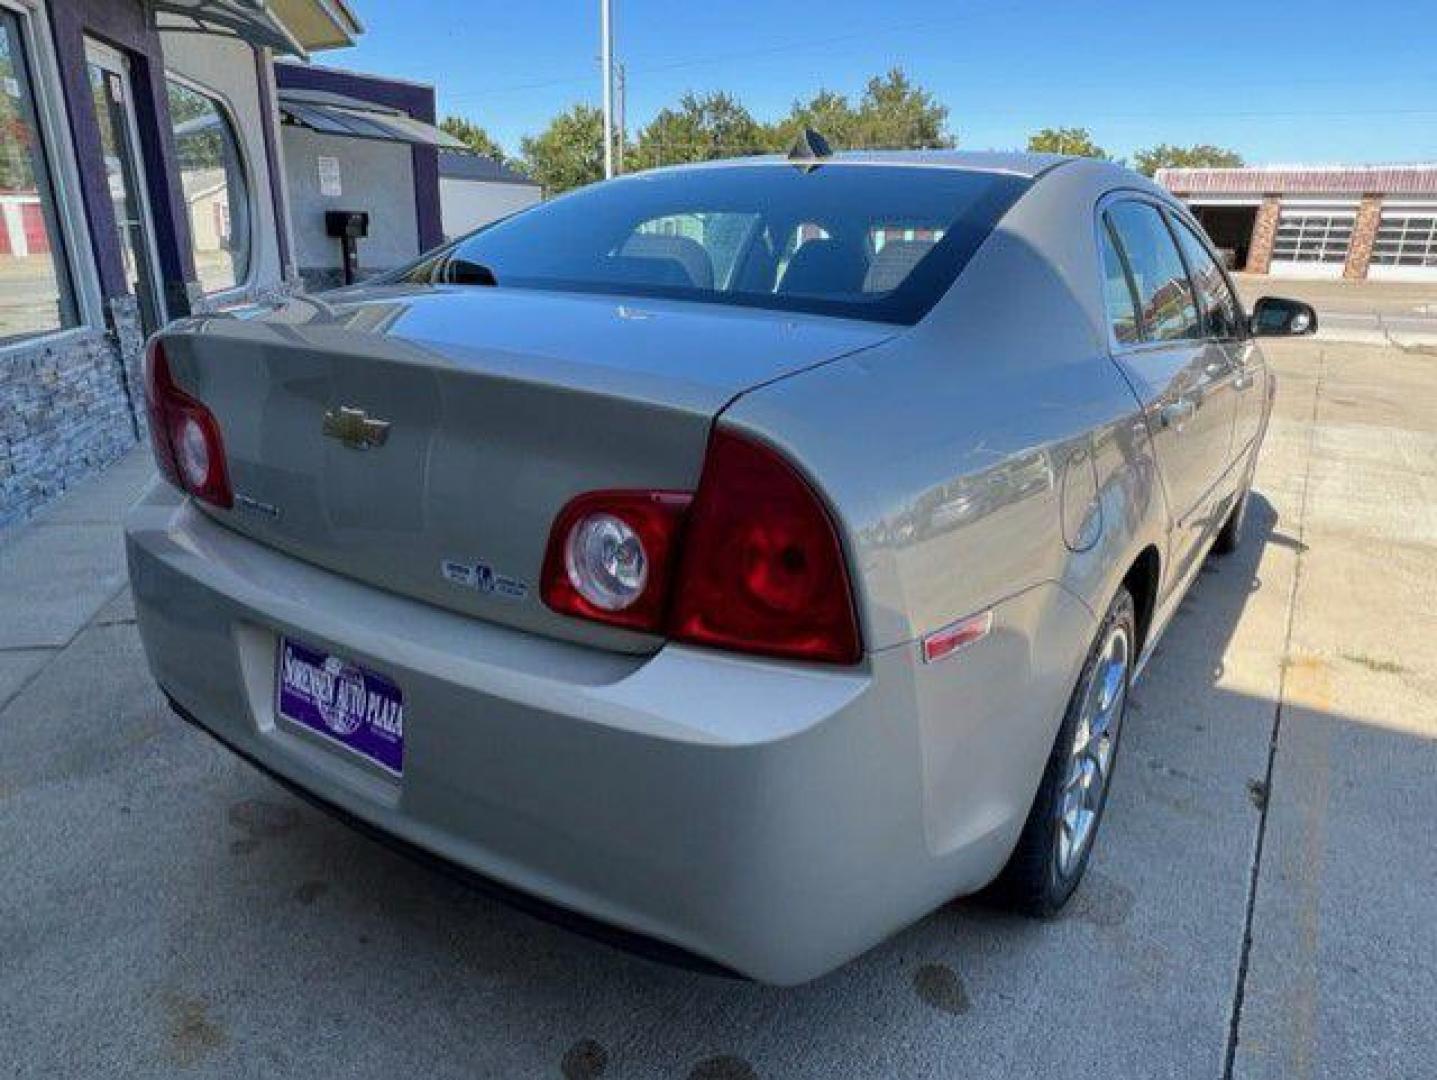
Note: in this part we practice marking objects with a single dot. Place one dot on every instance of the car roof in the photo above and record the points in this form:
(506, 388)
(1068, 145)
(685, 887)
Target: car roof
(1029, 166)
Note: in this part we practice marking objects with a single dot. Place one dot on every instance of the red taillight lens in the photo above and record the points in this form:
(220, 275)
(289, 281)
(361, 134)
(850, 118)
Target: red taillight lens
(763, 570)
(753, 565)
(611, 557)
(184, 435)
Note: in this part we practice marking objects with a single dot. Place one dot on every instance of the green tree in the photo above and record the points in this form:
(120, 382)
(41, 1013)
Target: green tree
(1064, 140)
(1164, 156)
(895, 113)
(827, 112)
(569, 153)
(702, 128)
(196, 126)
(16, 136)
(474, 137)
(15, 148)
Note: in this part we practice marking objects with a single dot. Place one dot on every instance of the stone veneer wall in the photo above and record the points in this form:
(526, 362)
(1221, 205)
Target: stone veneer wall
(273, 293)
(72, 404)
(66, 409)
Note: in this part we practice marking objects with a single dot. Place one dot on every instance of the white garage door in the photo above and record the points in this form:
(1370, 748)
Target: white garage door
(1312, 243)
(1406, 248)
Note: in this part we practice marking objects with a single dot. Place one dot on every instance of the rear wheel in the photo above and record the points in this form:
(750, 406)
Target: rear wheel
(1057, 839)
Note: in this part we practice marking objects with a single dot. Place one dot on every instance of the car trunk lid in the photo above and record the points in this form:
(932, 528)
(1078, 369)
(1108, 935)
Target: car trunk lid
(424, 438)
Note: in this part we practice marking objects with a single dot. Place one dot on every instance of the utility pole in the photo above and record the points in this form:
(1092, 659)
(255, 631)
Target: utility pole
(606, 61)
(622, 114)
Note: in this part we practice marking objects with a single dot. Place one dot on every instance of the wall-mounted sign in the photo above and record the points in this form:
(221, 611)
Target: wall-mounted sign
(330, 185)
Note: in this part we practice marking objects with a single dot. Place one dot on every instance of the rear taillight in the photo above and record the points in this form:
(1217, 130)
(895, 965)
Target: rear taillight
(753, 565)
(611, 557)
(184, 435)
(763, 570)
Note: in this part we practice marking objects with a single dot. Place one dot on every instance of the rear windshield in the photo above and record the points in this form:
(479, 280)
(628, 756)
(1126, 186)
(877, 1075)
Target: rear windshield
(874, 242)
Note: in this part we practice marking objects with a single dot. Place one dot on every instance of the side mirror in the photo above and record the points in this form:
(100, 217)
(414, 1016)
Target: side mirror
(1273, 316)
(463, 272)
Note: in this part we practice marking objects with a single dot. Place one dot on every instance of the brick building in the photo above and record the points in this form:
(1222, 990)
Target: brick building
(1337, 221)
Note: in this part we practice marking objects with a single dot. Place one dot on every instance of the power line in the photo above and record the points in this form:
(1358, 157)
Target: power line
(729, 56)
(714, 58)
(1314, 114)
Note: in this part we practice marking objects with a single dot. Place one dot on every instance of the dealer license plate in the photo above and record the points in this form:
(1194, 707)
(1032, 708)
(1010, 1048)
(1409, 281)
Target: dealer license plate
(359, 709)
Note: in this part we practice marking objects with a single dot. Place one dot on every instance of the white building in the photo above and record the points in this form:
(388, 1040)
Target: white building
(475, 190)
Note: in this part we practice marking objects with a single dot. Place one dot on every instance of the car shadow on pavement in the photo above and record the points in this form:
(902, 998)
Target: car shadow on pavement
(167, 907)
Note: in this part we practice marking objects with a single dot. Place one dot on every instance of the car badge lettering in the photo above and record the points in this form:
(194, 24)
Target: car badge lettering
(257, 506)
(483, 578)
(355, 428)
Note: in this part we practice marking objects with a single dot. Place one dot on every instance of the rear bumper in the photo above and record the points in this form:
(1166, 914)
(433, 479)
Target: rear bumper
(533, 905)
(773, 818)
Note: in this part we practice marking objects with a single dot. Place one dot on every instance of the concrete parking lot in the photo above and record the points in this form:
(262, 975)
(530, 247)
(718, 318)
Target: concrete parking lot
(1398, 313)
(1261, 904)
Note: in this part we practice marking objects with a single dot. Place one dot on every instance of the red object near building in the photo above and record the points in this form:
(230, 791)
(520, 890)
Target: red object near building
(37, 239)
(23, 208)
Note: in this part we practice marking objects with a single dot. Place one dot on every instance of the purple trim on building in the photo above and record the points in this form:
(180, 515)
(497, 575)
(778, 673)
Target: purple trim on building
(1304, 180)
(270, 117)
(162, 179)
(426, 193)
(414, 99)
(125, 25)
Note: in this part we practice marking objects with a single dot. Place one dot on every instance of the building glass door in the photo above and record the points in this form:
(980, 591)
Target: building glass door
(124, 172)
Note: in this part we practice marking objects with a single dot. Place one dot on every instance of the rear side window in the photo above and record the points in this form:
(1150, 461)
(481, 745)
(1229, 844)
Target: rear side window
(1117, 292)
(1219, 306)
(1166, 305)
(879, 242)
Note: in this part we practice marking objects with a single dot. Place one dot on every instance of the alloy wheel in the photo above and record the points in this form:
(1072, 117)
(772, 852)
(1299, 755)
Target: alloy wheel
(1090, 758)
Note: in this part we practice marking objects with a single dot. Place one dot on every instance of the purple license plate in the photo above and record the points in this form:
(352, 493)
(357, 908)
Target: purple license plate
(347, 704)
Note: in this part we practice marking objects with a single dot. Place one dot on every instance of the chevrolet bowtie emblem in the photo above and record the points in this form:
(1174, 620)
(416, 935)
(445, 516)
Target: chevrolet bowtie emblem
(354, 428)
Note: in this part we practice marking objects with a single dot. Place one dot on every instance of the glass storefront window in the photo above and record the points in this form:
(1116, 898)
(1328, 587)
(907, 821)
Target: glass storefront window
(216, 190)
(110, 90)
(35, 290)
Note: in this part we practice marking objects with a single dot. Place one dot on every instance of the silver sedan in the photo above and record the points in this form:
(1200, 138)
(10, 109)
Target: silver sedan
(746, 558)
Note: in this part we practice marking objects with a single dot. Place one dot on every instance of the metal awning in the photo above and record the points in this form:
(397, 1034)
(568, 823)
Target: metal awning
(337, 114)
(289, 27)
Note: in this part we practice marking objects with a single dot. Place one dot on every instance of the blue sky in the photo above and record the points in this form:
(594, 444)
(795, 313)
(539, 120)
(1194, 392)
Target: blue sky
(1314, 81)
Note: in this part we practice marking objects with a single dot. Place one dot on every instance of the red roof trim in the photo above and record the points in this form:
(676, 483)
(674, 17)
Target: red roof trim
(1375, 179)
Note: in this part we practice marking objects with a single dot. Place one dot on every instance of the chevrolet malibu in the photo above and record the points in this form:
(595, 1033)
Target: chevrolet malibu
(746, 557)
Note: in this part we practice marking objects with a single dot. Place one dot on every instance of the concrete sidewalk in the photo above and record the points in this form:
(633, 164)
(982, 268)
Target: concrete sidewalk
(64, 570)
(1342, 976)
(1259, 905)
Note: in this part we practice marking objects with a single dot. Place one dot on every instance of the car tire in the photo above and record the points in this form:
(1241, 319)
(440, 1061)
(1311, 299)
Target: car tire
(1057, 839)
(1229, 537)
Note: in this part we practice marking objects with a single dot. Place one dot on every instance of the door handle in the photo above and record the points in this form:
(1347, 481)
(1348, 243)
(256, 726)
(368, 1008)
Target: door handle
(1176, 414)
(1243, 379)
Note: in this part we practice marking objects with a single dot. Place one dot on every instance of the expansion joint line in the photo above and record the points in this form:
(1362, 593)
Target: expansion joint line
(1240, 986)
